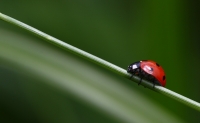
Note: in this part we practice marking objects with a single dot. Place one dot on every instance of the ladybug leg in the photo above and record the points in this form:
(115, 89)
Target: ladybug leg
(141, 76)
(152, 80)
(140, 81)
(132, 73)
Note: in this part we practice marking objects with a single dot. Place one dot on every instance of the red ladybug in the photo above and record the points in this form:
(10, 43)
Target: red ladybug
(148, 70)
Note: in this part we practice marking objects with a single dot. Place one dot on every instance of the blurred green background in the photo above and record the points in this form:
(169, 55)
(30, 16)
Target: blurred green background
(41, 83)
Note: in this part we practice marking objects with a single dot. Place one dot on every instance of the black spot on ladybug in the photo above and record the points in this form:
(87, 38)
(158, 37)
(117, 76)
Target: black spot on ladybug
(151, 69)
(157, 64)
(163, 77)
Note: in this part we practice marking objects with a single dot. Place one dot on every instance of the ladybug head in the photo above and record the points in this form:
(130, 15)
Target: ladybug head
(132, 67)
(129, 69)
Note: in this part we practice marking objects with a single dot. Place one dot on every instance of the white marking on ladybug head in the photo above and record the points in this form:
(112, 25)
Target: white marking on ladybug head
(148, 69)
(134, 66)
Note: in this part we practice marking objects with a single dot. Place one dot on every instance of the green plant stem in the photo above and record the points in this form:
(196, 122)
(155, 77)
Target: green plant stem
(101, 62)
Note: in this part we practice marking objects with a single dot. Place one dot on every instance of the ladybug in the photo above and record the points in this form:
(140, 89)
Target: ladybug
(148, 70)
